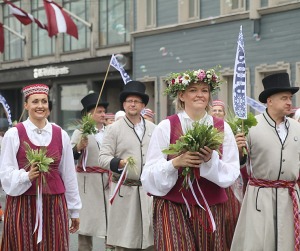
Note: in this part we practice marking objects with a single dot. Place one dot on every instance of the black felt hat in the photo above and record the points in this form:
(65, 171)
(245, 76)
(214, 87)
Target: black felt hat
(134, 88)
(279, 82)
(89, 102)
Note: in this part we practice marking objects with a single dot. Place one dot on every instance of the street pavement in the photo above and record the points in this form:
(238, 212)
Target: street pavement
(98, 243)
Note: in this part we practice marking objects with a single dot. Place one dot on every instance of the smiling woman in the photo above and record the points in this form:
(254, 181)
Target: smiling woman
(165, 175)
(22, 179)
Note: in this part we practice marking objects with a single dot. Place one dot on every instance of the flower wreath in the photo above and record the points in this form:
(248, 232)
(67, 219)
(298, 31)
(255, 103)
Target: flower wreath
(179, 81)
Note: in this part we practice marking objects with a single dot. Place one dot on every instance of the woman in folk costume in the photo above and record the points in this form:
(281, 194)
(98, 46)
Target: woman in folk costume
(269, 219)
(92, 179)
(179, 222)
(38, 203)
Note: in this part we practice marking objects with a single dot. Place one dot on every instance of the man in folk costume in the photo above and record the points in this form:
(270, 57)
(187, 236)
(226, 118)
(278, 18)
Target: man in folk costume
(130, 211)
(269, 217)
(37, 196)
(180, 223)
(92, 178)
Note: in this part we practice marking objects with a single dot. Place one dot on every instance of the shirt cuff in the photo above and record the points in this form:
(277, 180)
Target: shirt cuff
(74, 213)
(114, 165)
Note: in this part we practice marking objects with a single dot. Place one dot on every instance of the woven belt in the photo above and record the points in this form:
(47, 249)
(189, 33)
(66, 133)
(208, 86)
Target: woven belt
(91, 169)
(291, 186)
(127, 182)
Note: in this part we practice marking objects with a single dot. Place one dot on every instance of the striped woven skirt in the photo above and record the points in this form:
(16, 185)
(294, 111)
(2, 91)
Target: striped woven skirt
(175, 231)
(19, 222)
(232, 211)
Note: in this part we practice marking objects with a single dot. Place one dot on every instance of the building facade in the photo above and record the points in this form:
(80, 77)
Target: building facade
(72, 68)
(151, 39)
(176, 36)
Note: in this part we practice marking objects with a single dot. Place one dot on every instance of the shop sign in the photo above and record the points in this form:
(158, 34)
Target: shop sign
(50, 71)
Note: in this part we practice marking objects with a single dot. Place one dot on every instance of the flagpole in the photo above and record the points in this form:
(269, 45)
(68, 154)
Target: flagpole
(21, 115)
(79, 19)
(14, 32)
(104, 81)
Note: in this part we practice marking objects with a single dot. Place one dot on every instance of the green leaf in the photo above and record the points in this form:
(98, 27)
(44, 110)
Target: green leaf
(38, 156)
(241, 125)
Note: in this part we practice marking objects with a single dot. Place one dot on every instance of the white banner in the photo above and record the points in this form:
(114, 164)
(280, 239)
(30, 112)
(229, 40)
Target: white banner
(114, 62)
(239, 80)
(257, 106)
(7, 109)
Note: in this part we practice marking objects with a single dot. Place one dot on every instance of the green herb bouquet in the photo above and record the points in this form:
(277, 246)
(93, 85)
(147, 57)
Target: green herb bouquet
(197, 137)
(132, 165)
(241, 125)
(88, 125)
(40, 158)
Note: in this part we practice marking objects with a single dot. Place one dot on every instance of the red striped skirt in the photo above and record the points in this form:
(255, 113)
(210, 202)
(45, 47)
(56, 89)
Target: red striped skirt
(175, 231)
(19, 222)
(232, 211)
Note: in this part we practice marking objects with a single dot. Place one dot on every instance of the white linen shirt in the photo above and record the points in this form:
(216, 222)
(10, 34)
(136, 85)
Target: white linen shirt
(16, 181)
(159, 174)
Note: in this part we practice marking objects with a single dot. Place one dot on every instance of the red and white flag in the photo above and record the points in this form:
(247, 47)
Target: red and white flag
(24, 17)
(1, 38)
(58, 20)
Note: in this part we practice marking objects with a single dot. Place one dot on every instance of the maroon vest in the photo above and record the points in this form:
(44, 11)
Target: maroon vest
(212, 192)
(54, 183)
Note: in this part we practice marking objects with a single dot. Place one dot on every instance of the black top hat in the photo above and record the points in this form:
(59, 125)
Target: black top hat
(275, 83)
(134, 88)
(89, 102)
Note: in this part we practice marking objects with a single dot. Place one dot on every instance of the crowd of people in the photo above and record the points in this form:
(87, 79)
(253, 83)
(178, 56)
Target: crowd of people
(119, 184)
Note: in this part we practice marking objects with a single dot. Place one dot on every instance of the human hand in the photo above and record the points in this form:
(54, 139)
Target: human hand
(187, 159)
(82, 144)
(206, 153)
(241, 143)
(74, 225)
(122, 163)
(33, 172)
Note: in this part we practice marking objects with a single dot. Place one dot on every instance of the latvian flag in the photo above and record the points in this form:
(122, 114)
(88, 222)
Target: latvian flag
(1, 38)
(24, 17)
(58, 20)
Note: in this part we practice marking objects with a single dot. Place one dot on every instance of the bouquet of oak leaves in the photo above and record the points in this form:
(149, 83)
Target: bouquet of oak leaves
(40, 158)
(196, 137)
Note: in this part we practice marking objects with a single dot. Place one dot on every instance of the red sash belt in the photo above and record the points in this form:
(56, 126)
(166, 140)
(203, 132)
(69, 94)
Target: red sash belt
(292, 191)
(91, 169)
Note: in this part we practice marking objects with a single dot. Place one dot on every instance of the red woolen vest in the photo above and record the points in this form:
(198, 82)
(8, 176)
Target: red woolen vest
(54, 183)
(212, 192)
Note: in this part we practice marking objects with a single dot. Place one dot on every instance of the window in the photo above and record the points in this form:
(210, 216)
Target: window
(279, 2)
(13, 48)
(70, 105)
(263, 70)
(232, 6)
(237, 4)
(151, 13)
(42, 44)
(80, 8)
(115, 23)
(193, 9)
